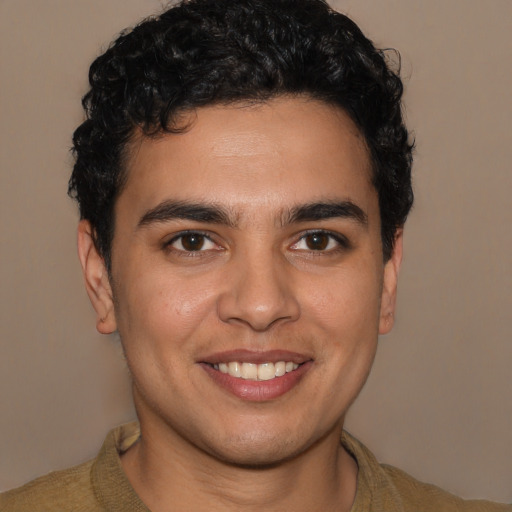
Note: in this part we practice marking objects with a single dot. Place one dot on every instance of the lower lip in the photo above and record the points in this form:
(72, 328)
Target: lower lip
(258, 390)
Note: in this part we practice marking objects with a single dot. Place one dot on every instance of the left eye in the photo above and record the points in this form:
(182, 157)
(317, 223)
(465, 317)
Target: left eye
(317, 241)
(192, 242)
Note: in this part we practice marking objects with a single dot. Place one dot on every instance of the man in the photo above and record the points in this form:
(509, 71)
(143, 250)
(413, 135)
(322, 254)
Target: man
(243, 179)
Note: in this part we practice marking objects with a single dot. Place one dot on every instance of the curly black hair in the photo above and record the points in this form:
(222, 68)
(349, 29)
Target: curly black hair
(204, 52)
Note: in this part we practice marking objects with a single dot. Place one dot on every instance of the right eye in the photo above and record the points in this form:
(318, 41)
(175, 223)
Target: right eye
(192, 241)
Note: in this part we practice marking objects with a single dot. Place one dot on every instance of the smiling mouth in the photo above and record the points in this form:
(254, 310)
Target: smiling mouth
(256, 372)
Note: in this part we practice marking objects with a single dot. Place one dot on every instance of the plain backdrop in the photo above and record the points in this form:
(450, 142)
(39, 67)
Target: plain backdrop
(438, 403)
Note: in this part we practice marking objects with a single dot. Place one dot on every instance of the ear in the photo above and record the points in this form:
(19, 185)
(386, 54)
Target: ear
(389, 285)
(96, 278)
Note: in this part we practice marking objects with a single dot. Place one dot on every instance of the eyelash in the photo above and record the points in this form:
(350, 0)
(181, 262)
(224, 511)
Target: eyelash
(189, 253)
(342, 244)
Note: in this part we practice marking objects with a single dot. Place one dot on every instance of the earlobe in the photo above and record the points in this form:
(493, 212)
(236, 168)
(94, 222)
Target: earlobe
(96, 279)
(389, 285)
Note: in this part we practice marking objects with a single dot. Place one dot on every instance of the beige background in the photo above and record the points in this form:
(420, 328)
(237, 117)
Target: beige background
(438, 403)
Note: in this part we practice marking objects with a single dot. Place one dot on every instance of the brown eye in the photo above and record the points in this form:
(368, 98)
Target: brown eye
(192, 242)
(317, 241)
(321, 242)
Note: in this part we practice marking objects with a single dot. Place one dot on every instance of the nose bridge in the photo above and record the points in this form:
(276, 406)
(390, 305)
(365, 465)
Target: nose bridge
(259, 291)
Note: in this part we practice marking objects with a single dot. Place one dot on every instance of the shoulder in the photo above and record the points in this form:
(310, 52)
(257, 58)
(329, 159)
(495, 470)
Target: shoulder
(94, 486)
(69, 489)
(386, 488)
(417, 495)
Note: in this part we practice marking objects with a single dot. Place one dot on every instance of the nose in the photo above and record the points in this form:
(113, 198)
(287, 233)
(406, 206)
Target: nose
(258, 293)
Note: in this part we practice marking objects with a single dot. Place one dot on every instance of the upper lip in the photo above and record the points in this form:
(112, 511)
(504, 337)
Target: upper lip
(255, 357)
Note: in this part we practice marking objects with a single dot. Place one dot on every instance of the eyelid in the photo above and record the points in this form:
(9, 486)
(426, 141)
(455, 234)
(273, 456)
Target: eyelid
(167, 244)
(341, 240)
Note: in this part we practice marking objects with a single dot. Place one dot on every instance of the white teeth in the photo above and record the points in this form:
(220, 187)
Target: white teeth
(235, 369)
(251, 371)
(266, 371)
(280, 368)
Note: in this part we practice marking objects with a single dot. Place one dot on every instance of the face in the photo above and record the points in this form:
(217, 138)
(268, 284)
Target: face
(248, 281)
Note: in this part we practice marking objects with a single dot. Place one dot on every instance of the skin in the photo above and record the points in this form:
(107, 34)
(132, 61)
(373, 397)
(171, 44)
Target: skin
(258, 283)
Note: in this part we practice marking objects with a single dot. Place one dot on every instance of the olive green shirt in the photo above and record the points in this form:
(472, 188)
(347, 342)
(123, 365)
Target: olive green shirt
(100, 485)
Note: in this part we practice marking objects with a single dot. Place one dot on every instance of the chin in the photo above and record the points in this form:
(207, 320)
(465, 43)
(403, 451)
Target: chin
(260, 449)
(271, 454)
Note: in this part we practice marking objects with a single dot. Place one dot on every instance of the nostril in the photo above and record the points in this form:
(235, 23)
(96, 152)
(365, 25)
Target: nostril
(259, 315)
(258, 292)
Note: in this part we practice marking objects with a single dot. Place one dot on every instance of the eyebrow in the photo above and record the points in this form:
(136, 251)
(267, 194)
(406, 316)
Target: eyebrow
(325, 210)
(216, 214)
(199, 212)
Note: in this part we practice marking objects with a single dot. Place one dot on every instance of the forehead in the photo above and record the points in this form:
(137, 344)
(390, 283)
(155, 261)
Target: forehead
(266, 156)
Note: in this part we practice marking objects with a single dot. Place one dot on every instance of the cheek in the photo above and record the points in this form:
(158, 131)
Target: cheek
(160, 308)
(347, 299)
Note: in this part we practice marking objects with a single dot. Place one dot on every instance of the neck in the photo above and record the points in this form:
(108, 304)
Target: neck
(169, 473)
